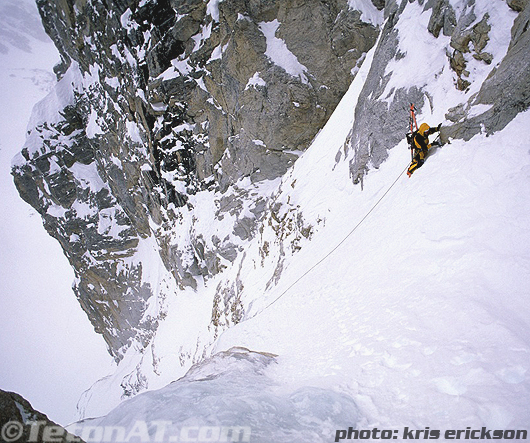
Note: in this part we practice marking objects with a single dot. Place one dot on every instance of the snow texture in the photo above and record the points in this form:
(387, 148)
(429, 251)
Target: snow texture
(279, 53)
(255, 81)
(369, 12)
(232, 390)
(418, 313)
(403, 302)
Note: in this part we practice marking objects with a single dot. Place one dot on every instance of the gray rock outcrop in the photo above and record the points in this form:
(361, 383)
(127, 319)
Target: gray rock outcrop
(512, 77)
(158, 157)
(381, 115)
(159, 101)
(19, 422)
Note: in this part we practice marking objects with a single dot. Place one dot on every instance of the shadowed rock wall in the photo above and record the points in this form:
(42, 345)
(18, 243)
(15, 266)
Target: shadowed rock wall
(160, 100)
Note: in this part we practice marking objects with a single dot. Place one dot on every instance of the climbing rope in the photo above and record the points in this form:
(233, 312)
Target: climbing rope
(335, 248)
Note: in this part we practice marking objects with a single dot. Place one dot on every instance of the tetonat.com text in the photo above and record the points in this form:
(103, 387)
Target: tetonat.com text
(139, 432)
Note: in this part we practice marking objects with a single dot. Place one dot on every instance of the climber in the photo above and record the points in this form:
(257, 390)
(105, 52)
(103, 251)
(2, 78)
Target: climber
(419, 143)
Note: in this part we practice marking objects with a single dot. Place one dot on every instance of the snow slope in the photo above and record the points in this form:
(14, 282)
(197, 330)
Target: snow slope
(405, 296)
(419, 314)
(43, 329)
(408, 296)
(419, 317)
(229, 393)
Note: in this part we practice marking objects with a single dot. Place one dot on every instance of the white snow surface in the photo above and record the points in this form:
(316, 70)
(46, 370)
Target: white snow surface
(230, 391)
(420, 315)
(279, 53)
(369, 12)
(255, 81)
(410, 296)
(213, 9)
(406, 305)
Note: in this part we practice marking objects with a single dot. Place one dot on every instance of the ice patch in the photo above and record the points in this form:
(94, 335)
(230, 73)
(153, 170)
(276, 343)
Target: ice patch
(231, 391)
(134, 132)
(126, 21)
(88, 176)
(56, 211)
(478, 110)
(108, 225)
(243, 17)
(217, 53)
(113, 82)
(199, 38)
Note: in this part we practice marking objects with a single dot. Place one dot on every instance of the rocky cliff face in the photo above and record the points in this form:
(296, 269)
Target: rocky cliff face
(160, 159)
(20, 422)
(159, 101)
(468, 28)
